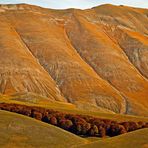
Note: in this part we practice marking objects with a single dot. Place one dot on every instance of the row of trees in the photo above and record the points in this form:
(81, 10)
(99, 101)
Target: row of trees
(77, 124)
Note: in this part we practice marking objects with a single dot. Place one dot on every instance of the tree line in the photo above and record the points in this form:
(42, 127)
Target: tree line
(78, 124)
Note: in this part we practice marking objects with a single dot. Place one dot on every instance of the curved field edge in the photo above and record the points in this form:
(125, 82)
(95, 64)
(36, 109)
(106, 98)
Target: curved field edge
(19, 131)
(44, 102)
(137, 139)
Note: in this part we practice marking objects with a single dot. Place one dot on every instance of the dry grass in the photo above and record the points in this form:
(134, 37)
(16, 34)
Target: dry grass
(70, 108)
(136, 139)
(17, 131)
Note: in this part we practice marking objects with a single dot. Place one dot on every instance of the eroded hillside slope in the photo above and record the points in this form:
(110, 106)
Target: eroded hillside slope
(90, 54)
(19, 70)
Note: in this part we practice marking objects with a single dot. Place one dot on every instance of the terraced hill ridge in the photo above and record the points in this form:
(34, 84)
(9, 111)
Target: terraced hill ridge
(96, 57)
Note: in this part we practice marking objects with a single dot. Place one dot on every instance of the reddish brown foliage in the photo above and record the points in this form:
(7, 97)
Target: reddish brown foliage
(78, 124)
(53, 120)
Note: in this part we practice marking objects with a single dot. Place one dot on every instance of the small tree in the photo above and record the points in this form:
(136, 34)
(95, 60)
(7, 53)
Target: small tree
(95, 129)
(85, 128)
(46, 119)
(66, 124)
(114, 130)
(122, 129)
(141, 124)
(91, 132)
(146, 125)
(102, 132)
(37, 115)
(53, 120)
(78, 129)
(126, 125)
(133, 126)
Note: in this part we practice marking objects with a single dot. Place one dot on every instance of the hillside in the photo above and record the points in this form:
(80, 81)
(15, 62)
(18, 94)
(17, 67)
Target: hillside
(72, 109)
(127, 140)
(95, 57)
(19, 131)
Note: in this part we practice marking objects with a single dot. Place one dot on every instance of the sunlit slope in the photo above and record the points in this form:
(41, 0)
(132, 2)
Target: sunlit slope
(19, 70)
(134, 44)
(71, 108)
(109, 61)
(19, 131)
(47, 40)
(123, 16)
(97, 57)
(138, 139)
(38, 100)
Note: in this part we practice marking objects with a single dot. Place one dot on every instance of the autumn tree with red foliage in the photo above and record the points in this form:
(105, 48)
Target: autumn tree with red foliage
(53, 120)
(78, 124)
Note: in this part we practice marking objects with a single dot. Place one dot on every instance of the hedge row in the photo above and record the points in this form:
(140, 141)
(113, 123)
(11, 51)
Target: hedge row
(77, 124)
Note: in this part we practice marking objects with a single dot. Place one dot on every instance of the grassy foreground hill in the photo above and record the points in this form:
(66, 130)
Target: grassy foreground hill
(21, 131)
(17, 131)
(136, 139)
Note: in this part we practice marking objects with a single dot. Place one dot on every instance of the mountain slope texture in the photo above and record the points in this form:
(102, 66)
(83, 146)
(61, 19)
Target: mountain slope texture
(96, 57)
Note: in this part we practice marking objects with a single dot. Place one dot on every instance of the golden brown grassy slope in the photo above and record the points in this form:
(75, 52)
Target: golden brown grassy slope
(80, 51)
(19, 70)
(49, 43)
(108, 60)
(19, 131)
(137, 139)
(69, 108)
